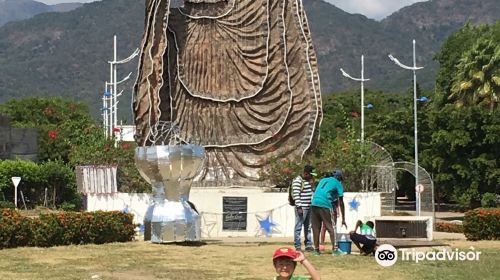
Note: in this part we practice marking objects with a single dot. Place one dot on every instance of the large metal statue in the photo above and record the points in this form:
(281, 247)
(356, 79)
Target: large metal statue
(238, 77)
(169, 165)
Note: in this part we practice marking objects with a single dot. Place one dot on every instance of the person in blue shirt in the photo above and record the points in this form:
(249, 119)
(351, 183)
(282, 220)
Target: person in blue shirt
(328, 192)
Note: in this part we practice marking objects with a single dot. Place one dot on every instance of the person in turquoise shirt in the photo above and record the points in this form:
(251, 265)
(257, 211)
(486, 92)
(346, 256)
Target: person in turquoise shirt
(328, 192)
(285, 260)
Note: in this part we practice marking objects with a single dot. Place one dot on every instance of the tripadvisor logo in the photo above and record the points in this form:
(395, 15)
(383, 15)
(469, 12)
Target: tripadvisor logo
(386, 255)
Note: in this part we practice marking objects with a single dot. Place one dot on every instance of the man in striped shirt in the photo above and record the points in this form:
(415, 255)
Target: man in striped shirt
(302, 193)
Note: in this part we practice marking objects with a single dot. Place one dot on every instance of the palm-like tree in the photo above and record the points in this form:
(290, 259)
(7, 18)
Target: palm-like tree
(478, 76)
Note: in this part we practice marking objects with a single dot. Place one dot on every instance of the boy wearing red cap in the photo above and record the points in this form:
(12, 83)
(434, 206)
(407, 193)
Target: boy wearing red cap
(285, 260)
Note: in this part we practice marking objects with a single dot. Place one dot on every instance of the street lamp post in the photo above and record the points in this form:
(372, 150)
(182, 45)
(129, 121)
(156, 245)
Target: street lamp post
(110, 110)
(414, 68)
(109, 107)
(362, 80)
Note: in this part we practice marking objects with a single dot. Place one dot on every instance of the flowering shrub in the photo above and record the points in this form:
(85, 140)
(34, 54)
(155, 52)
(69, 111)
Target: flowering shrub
(52, 134)
(15, 229)
(281, 172)
(68, 134)
(350, 155)
(97, 150)
(482, 224)
(64, 228)
(449, 227)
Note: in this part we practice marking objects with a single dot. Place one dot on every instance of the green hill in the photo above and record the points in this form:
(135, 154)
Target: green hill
(11, 10)
(14, 10)
(66, 54)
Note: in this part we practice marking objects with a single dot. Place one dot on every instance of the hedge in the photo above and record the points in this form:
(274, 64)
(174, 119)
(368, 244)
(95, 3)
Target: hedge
(449, 227)
(55, 176)
(15, 229)
(64, 228)
(482, 224)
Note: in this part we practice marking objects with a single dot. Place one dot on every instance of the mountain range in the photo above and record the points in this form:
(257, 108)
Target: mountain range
(14, 10)
(67, 53)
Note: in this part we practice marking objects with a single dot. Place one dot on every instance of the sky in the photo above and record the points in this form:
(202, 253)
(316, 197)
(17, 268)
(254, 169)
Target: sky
(374, 9)
(51, 2)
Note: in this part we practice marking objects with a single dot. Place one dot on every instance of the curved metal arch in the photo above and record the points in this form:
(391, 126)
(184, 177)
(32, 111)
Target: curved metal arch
(424, 178)
(379, 177)
(386, 153)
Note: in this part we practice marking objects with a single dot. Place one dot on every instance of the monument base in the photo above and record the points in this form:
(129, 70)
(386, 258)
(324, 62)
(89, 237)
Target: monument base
(168, 221)
(239, 212)
(404, 227)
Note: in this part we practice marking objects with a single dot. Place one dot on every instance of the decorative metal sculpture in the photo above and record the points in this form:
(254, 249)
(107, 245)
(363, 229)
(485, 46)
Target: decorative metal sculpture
(238, 77)
(169, 168)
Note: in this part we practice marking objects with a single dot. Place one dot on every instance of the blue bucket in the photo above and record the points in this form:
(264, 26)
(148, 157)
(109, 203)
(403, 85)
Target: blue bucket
(344, 246)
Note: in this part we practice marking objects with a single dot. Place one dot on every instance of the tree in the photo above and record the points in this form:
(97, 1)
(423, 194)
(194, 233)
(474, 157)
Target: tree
(469, 67)
(464, 152)
(67, 133)
(448, 57)
(478, 76)
(59, 122)
(342, 109)
(95, 149)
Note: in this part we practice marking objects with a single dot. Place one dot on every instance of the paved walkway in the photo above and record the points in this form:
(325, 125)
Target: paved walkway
(446, 212)
(448, 236)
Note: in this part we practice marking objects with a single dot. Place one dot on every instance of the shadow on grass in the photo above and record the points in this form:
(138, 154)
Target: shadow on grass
(187, 243)
(454, 218)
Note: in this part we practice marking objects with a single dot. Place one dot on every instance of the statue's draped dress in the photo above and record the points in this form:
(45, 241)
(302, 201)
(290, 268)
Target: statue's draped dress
(239, 77)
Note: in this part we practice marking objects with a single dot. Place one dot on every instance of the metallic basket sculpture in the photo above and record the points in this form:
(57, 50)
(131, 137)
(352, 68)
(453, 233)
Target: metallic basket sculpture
(170, 169)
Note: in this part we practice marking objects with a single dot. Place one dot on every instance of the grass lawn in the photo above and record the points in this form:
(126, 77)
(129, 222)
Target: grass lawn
(142, 260)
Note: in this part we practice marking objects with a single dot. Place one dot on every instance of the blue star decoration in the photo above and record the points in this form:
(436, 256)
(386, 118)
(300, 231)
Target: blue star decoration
(209, 222)
(354, 204)
(266, 225)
